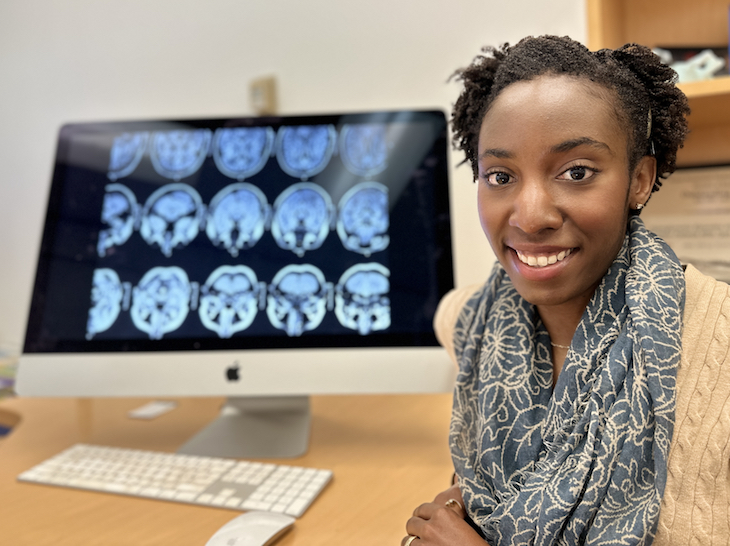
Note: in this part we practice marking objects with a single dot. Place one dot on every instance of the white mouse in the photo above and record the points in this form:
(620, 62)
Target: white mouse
(252, 529)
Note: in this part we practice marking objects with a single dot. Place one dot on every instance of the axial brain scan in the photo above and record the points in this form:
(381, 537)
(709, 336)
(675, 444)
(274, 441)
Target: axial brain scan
(230, 299)
(303, 217)
(161, 301)
(177, 154)
(126, 153)
(364, 148)
(120, 212)
(305, 150)
(297, 299)
(171, 217)
(107, 295)
(241, 152)
(363, 219)
(237, 217)
(361, 298)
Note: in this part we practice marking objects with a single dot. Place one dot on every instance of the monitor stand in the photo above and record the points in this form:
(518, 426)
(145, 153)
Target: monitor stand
(255, 428)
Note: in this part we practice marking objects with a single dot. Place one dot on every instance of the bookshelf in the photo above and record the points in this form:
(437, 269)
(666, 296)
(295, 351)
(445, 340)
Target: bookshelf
(679, 23)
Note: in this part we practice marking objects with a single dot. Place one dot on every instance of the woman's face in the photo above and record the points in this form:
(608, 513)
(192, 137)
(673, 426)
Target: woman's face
(555, 188)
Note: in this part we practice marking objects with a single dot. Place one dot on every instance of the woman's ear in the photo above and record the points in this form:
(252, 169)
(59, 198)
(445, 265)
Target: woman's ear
(642, 181)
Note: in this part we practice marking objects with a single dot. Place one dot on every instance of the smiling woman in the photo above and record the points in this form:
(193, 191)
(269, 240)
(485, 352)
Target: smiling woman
(573, 420)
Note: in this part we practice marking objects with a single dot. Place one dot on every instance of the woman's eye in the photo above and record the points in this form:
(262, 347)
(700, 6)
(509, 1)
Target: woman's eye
(497, 178)
(577, 173)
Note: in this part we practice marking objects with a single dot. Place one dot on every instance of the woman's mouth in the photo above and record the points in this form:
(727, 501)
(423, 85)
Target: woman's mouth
(542, 260)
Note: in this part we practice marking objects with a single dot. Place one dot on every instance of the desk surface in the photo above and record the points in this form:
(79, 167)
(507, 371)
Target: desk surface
(388, 453)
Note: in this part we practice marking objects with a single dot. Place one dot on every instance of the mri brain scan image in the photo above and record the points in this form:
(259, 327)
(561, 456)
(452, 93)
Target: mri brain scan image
(161, 301)
(241, 152)
(302, 219)
(364, 148)
(120, 211)
(230, 299)
(180, 153)
(107, 301)
(237, 217)
(127, 151)
(171, 217)
(305, 150)
(298, 299)
(363, 219)
(361, 298)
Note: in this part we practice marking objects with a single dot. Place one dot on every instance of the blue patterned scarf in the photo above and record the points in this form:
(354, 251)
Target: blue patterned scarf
(585, 463)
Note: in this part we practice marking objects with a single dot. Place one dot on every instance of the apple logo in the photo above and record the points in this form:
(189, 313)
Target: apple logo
(232, 372)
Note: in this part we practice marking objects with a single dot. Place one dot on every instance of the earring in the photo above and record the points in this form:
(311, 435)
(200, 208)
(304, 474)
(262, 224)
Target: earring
(639, 206)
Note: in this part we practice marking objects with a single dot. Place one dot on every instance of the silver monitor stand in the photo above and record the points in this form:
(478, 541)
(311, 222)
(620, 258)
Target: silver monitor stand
(255, 428)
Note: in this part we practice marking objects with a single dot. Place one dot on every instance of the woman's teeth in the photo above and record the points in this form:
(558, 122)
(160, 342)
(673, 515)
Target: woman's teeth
(542, 261)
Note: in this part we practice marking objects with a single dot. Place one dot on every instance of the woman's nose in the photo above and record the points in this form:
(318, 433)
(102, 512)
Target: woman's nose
(534, 208)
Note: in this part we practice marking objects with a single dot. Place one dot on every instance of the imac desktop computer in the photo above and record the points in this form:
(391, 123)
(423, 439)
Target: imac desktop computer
(262, 259)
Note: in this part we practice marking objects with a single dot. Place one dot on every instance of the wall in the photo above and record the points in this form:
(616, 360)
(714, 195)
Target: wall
(79, 60)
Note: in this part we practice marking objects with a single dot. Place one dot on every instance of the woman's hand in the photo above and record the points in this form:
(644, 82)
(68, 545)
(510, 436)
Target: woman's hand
(452, 493)
(441, 523)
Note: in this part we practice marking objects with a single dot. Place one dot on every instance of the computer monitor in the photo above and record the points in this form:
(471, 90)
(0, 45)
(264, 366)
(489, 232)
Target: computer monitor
(262, 259)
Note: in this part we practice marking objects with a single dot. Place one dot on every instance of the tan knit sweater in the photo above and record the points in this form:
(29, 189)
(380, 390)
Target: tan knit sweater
(696, 504)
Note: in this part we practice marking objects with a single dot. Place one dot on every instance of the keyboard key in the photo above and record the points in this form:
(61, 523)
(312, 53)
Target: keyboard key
(255, 505)
(186, 497)
(297, 508)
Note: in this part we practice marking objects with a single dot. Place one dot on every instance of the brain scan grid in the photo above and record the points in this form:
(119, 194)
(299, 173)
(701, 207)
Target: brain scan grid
(298, 220)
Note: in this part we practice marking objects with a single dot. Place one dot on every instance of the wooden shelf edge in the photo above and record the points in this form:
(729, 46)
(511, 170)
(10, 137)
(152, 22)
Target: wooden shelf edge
(706, 88)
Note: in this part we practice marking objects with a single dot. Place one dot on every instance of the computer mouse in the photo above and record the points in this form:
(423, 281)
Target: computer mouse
(252, 529)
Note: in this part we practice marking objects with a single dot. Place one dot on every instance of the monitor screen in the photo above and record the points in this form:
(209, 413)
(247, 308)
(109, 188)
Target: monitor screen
(277, 255)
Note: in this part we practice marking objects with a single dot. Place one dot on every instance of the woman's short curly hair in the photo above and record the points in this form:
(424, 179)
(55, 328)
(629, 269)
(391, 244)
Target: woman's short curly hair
(651, 106)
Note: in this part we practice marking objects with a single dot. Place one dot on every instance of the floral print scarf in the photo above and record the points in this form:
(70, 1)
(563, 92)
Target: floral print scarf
(585, 462)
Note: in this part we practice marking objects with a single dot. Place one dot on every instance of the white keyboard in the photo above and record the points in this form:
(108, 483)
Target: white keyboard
(208, 481)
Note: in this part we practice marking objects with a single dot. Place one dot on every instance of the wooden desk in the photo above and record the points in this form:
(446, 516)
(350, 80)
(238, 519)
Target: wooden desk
(388, 454)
